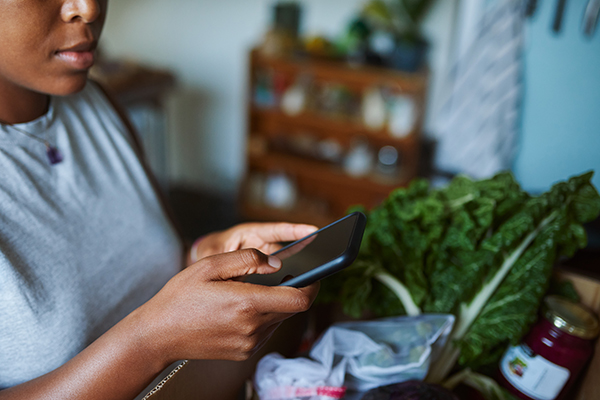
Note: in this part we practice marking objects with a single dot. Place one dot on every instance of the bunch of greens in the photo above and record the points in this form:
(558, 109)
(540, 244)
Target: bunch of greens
(481, 250)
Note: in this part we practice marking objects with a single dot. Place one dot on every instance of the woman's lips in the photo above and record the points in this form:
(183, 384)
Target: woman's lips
(80, 60)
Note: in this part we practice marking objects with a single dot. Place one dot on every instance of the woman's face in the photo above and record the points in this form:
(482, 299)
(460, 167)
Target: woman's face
(47, 46)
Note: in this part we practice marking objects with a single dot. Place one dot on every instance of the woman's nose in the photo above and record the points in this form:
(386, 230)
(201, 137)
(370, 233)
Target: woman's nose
(86, 10)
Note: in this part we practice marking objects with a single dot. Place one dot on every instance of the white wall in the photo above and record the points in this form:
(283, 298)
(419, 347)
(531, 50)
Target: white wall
(205, 42)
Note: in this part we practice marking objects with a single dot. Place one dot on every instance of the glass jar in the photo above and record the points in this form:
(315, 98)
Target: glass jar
(549, 359)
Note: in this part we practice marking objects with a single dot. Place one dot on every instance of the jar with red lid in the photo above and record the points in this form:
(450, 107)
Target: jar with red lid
(550, 358)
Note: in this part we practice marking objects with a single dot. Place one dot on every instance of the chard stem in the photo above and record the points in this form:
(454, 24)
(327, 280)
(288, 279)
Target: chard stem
(456, 379)
(462, 200)
(468, 313)
(444, 363)
(400, 291)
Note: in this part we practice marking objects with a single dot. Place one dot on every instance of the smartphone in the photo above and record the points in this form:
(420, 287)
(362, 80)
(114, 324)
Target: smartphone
(318, 255)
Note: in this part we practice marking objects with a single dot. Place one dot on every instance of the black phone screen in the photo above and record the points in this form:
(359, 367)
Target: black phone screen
(326, 248)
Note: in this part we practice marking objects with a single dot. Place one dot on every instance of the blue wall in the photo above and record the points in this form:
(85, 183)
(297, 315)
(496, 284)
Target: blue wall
(560, 133)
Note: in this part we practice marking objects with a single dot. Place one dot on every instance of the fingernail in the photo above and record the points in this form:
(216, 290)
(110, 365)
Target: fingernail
(274, 262)
(311, 229)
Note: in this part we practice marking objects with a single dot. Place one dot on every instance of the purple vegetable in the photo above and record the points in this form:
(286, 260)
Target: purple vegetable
(410, 390)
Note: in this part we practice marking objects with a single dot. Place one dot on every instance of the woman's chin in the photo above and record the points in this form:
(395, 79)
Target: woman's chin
(70, 85)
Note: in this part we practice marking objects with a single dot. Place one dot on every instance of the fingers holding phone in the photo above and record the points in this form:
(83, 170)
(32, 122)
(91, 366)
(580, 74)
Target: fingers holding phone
(265, 237)
(202, 313)
(317, 255)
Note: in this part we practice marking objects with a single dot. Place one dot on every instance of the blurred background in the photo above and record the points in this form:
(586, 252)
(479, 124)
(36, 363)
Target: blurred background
(265, 110)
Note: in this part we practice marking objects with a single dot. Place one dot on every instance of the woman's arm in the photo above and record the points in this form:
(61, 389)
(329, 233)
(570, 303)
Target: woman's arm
(200, 314)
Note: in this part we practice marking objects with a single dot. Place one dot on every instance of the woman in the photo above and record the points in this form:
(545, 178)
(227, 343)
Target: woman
(93, 301)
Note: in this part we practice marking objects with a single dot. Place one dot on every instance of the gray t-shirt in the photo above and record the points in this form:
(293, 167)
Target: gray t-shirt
(82, 243)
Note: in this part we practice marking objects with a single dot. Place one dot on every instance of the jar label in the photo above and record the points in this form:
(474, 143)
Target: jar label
(532, 374)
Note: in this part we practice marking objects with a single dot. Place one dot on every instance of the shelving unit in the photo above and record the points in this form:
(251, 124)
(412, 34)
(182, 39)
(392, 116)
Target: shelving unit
(323, 189)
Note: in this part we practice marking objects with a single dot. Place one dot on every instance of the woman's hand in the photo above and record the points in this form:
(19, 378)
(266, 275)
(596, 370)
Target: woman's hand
(262, 236)
(202, 313)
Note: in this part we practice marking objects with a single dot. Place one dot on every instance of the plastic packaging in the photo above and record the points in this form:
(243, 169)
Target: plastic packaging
(357, 356)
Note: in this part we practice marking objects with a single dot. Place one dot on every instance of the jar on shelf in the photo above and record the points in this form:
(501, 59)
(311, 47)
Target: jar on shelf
(550, 358)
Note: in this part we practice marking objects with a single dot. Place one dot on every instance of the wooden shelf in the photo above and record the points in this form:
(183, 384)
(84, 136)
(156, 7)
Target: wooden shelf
(353, 76)
(132, 83)
(273, 123)
(326, 173)
(323, 191)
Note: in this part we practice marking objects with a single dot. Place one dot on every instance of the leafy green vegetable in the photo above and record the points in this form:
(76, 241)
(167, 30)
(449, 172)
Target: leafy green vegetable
(482, 250)
(563, 288)
(485, 385)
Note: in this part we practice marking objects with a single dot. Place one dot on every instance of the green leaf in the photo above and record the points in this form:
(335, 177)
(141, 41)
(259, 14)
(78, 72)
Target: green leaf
(486, 386)
(510, 312)
(563, 288)
(512, 309)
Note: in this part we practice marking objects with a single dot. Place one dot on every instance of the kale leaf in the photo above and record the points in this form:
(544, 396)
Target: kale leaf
(482, 250)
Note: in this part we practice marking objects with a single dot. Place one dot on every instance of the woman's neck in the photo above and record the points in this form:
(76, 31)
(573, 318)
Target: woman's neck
(18, 105)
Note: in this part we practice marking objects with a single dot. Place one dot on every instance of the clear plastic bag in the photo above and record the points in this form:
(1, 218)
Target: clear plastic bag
(358, 356)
